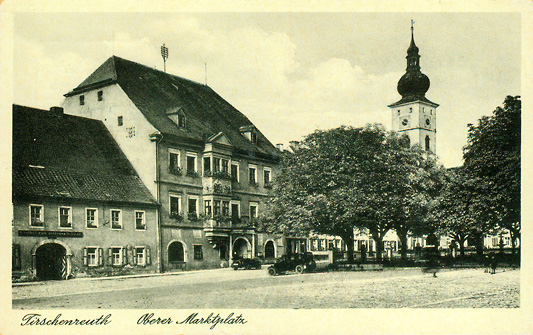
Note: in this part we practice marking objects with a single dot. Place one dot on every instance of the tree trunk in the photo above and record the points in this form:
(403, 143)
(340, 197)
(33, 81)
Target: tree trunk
(379, 248)
(461, 246)
(402, 235)
(348, 239)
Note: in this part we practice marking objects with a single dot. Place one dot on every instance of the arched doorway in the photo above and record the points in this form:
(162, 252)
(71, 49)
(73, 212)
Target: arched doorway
(270, 251)
(241, 248)
(51, 262)
(176, 252)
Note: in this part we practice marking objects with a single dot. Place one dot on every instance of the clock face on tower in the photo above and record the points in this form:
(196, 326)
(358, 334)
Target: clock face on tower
(405, 122)
(428, 122)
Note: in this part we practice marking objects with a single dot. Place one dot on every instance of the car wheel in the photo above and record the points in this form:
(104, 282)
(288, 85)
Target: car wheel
(272, 271)
(299, 269)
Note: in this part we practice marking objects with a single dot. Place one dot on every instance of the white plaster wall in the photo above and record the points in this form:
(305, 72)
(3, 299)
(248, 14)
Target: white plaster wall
(138, 149)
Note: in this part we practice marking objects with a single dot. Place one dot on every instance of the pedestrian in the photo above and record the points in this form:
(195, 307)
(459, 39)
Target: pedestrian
(486, 263)
(493, 264)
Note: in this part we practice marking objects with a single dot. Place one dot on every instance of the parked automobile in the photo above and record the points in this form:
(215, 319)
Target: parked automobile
(246, 263)
(302, 262)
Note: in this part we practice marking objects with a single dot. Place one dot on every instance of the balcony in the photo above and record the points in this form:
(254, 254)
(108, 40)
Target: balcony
(216, 183)
(218, 227)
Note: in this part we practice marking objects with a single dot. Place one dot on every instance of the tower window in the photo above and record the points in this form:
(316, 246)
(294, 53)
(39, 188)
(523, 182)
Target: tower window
(100, 95)
(120, 121)
(427, 143)
(82, 100)
(410, 109)
(398, 112)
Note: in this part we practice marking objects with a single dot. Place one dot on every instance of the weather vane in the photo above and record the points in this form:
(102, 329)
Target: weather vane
(164, 54)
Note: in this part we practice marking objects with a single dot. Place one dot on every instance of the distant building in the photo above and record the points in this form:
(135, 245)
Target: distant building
(203, 160)
(79, 208)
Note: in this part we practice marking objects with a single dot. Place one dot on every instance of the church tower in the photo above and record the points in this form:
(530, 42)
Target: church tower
(414, 114)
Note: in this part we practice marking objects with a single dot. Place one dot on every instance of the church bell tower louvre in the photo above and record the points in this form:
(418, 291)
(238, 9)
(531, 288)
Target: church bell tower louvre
(414, 114)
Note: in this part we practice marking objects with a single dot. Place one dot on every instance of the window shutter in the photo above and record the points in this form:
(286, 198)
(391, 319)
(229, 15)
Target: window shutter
(148, 256)
(124, 256)
(100, 256)
(85, 256)
(134, 256)
(110, 258)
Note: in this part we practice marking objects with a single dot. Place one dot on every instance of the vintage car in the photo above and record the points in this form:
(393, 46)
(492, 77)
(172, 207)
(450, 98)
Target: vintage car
(246, 263)
(302, 262)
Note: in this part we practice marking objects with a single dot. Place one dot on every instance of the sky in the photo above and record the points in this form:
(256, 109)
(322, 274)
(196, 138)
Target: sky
(289, 73)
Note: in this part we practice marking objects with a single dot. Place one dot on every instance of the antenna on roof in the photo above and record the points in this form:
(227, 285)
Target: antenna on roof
(164, 54)
(205, 74)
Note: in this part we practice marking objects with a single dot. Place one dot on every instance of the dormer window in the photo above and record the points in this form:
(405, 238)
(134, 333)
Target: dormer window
(177, 116)
(250, 132)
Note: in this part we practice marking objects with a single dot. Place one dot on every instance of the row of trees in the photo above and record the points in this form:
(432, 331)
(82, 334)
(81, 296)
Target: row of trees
(370, 179)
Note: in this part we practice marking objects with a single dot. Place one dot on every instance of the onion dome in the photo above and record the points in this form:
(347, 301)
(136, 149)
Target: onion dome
(413, 84)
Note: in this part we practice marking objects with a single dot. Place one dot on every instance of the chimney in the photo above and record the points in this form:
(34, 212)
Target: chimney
(58, 111)
(279, 146)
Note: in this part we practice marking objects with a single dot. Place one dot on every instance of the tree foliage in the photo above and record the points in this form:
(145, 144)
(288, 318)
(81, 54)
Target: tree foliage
(350, 178)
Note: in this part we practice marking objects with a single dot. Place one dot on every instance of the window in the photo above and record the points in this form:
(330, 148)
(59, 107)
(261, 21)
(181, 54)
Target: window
(191, 163)
(115, 256)
(100, 95)
(181, 121)
(235, 209)
(140, 256)
(235, 172)
(225, 208)
(65, 218)
(253, 175)
(174, 205)
(198, 254)
(91, 215)
(91, 256)
(82, 100)
(140, 223)
(207, 208)
(217, 207)
(36, 216)
(216, 164)
(427, 143)
(253, 137)
(207, 164)
(410, 109)
(120, 121)
(398, 112)
(266, 176)
(16, 264)
(116, 219)
(192, 207)
(225, 166)
(174, 161)
(253, 210)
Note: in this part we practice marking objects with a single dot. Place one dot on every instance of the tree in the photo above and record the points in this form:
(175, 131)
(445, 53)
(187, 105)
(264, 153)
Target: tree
(492, 155)
(345, 179)
(463, 211)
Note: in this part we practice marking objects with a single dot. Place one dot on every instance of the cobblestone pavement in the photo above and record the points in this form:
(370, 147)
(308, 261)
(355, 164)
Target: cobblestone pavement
(225, 288)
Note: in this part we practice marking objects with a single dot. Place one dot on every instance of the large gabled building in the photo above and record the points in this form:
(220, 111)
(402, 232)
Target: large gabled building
(79, 207)
(202, 159)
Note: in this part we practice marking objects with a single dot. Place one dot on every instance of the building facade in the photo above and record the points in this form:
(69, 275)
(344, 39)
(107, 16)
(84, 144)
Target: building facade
(79, 208)
(203, 160)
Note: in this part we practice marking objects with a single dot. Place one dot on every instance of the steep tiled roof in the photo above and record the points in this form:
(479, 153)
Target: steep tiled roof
(65, 156)
(156, 93)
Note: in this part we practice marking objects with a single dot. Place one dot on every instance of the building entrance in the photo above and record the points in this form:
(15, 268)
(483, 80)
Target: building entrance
(241, 249)
(51, 262)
